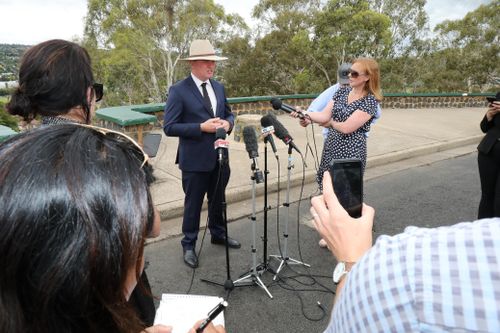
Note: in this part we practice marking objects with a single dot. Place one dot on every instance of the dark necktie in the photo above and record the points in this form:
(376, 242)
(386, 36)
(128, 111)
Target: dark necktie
(208, 103)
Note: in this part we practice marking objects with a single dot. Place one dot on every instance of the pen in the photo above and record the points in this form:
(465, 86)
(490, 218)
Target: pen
(211, 315)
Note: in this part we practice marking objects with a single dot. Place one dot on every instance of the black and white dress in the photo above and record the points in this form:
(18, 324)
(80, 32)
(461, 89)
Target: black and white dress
(353, 145)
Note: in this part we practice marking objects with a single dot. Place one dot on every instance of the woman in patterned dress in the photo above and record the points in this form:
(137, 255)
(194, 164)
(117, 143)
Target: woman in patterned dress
(349, 115)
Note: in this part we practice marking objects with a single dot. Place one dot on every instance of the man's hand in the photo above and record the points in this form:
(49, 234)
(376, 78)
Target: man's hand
(210, 125)
(348, 238)
(225, 124)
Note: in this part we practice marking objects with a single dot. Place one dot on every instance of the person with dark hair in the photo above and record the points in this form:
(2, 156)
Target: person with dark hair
(443, 279)
(56, 82)
(72, 233)
(488, 160)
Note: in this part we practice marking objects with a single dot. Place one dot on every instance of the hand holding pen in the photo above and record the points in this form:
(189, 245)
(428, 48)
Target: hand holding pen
(206, 326)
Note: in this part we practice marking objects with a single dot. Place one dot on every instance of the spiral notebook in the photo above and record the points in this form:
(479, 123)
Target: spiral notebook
(182, 311)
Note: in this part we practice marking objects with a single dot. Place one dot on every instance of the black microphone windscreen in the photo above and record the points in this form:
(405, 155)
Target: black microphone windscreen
(250, 140)
(220, 133)
(276, 103)
(279, 130)
(266, 121)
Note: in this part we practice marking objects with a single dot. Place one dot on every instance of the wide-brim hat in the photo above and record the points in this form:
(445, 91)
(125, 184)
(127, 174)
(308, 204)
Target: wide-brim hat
(201, 49)
(344, 73)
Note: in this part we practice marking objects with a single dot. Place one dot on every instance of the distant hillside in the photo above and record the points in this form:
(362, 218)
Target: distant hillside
(9, 60)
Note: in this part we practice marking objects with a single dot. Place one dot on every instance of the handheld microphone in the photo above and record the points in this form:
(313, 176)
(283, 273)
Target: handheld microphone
(279, 105)
(267, 130)
(220, 142)
(281, 132)
(250, 139)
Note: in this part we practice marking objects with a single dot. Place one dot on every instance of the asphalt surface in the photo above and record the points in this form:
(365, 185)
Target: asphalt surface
(398, 135)
(432, 191)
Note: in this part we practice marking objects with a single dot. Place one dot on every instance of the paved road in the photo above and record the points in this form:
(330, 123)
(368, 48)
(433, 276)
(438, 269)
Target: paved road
(435, 194)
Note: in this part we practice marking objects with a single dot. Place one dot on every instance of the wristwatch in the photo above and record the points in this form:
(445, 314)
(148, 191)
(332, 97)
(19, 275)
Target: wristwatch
(342, 268)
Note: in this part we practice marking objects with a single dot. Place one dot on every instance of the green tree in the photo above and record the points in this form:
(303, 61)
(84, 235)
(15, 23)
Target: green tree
(471, 47)
(408, 24)
(138, 43)
(348, 29)
(6, 119)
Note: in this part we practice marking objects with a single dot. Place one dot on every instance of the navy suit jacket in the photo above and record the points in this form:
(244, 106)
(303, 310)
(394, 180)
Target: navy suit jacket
(184, 112)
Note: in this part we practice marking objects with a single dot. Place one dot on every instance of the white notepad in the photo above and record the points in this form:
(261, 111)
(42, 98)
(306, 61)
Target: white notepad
(182, 311)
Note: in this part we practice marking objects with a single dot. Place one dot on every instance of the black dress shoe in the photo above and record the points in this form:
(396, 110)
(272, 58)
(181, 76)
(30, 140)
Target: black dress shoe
(232, 243)
(190, 258)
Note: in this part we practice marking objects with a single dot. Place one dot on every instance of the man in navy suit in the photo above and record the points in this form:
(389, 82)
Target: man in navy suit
(195, 108)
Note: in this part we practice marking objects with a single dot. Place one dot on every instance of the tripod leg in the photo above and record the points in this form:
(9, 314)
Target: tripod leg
(259, 282)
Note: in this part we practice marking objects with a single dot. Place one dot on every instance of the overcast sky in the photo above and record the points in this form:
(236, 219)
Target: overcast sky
(33, 21)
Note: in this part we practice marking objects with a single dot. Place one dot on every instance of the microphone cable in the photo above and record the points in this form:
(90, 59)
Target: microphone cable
(314, 154)
(282, 282)
(210, 206)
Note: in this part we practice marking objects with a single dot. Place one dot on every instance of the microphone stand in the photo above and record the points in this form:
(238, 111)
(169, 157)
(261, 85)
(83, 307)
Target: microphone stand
(283, 257)
(266, 207)
(228, 284)
(253, 275)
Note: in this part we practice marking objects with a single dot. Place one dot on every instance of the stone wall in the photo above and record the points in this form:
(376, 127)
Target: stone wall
(389, 102)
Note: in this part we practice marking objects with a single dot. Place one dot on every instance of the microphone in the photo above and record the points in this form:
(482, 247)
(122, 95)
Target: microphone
(250, 139)
(220, 142)
(279, 105)
(267, 130)
(281, 132)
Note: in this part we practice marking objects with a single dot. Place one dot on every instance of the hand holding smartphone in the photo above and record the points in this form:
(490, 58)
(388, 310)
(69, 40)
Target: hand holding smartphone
(347, 180)
(491, 99)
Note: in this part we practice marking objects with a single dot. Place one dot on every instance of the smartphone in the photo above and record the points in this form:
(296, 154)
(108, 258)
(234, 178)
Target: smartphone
(491, 99)
(151, 143)
(347, 179)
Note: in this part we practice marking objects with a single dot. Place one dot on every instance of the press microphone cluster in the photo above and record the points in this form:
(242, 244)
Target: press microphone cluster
(220, 143)
(279, 105)
(252, 147)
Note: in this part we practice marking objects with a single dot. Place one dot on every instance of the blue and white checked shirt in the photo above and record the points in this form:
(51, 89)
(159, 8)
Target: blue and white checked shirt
(445, 279)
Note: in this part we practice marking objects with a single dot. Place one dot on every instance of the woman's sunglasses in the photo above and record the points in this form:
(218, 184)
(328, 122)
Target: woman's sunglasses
(355, 74)
(98, 90)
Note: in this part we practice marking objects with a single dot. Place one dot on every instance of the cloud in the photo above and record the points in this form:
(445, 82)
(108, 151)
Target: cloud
(441, 10)
(31, 21)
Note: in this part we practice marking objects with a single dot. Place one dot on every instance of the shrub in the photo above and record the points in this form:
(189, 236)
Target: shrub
(6, 119)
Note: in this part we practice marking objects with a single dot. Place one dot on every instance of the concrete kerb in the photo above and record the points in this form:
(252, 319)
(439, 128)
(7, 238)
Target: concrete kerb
(175, 209)
(419, 151)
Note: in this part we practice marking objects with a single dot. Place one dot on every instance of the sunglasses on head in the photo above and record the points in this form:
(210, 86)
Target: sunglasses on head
(98, 90)
(120, 135)
(355, 74)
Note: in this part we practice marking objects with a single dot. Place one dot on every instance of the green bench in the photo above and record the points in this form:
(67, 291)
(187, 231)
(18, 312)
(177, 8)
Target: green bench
(123, 118)
(6, 132)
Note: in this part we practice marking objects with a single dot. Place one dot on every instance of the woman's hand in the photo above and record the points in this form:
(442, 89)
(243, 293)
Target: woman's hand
(298, 113)
(159, 329)
(348, 238)
(209, 329)
(493, 109)
(305, 121)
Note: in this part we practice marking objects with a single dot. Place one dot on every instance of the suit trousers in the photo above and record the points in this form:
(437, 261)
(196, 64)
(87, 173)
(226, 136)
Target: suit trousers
(489, 174)
(195, 186)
